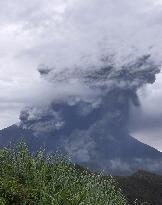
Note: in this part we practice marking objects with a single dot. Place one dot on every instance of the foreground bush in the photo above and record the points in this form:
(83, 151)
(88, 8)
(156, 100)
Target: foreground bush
(27, 179)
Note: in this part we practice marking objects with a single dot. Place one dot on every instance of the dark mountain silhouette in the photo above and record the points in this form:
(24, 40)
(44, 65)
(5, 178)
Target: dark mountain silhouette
(120, 157)
(144, 186)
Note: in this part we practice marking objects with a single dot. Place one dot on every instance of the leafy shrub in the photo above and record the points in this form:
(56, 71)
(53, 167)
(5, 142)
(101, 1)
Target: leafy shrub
(37, 179)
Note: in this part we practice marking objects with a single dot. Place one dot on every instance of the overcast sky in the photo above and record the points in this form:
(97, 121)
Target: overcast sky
(54, 33)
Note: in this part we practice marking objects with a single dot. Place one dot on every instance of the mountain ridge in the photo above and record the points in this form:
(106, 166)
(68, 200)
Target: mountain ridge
(142, 185)
(123, 156)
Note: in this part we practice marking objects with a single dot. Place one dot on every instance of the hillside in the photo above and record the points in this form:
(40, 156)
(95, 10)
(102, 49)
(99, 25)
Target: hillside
(38, 179)
(144, 186)
(116, 155)
(33, 179)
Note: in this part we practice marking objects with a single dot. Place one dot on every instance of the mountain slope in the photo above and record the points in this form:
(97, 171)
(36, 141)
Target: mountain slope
(144, 186)
(121, 156)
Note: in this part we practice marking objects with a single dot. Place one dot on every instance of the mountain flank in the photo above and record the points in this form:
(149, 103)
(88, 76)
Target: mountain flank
(144, 186)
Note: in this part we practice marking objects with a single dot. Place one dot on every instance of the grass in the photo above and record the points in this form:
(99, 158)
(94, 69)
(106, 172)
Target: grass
(37, 179)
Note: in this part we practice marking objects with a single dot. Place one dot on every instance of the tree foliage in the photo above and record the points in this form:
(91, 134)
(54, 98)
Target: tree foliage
(32, 179)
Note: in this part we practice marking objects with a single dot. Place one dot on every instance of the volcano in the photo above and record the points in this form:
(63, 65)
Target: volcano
(92, 130)
(114, 156)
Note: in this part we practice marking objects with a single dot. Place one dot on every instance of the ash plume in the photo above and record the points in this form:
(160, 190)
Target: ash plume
(94, 130)
(95, 55)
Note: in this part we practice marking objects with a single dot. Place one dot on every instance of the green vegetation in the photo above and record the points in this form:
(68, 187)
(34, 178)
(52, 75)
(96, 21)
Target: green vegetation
(27, 179)
(142, 185)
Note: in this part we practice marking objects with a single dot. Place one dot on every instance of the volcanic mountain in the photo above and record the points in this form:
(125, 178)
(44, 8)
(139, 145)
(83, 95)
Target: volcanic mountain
(93, 130)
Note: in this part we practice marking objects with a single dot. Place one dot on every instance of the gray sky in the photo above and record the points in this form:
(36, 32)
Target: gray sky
(146, 121)
(57, 33)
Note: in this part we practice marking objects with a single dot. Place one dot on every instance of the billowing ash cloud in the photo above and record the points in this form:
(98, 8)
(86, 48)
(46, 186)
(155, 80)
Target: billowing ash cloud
(93, 129)
(96, 55)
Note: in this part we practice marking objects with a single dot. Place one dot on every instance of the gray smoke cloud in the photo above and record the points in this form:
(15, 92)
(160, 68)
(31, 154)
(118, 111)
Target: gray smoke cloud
(92, 57)
(94, 130)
